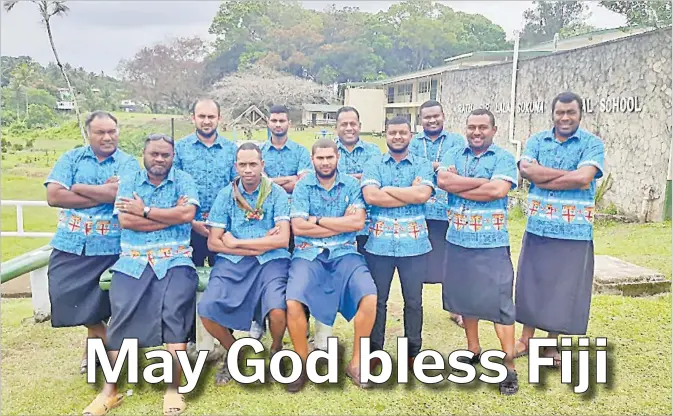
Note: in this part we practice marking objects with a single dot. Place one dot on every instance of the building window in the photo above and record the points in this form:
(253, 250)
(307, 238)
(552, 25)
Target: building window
(433, 89)
(391, 95)
(404, 92)
(423, 87)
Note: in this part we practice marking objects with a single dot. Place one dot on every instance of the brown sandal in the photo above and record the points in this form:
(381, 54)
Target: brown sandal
(174, 403)
(103, 404)
(523, 352)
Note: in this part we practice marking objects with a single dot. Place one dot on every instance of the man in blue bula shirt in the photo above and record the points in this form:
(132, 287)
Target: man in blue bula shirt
(556, 265)
(250, 230)
(285, 161)
(354, 154)
(327, 273)
(396, 186)
(479, 276)
(83, 183)
(209, 159)
(153, 287)
(432, 144)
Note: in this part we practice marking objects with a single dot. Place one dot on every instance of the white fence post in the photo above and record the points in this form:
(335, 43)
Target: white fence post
(39, 284)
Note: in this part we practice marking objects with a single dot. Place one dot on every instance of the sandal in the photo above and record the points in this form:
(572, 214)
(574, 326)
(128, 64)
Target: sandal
(85, 364)
(174, 403)
(103, 404)
(556, 355)
(472, 361)
(523, 352)
(355, 375)
(510, 385)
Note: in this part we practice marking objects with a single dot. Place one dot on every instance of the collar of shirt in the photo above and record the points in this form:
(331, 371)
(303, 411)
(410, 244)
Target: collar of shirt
(289, 144)
(88, 152)
(194, 139)
(387, 156)
(424, 136)
(358, 145)
(493, 149)
(312, 179)
(551, 135)
(243, 191)
(169, 178)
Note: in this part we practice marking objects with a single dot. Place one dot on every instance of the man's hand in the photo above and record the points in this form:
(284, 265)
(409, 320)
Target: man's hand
(200, 228)
(435, 165)
(453, 169)
(112, 179)
(133, 206)
(182, 201)
(351, 210)
(229, 240)
(417, 181)
(274, 231)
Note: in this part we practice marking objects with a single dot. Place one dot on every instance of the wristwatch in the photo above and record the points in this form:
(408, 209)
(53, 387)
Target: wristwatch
(146, 211)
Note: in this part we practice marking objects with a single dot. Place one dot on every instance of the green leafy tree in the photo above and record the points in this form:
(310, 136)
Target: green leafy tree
(548, 18)
(655, 13)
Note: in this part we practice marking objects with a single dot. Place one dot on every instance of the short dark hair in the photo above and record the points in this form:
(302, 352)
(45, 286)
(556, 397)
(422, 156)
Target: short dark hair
(324, 143)
(567, 98)
(430, 104)
(159, 136)
(347, 109)
(279, 109)
(249, 146)
(98, 114)
(397, 120)
(482, 112)
(195, 103)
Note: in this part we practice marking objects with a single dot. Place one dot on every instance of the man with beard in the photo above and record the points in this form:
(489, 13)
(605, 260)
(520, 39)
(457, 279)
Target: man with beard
(556, 265)
(432, 144)
(83, 183)
(354, 153)
(285, 161)
(478, 276)
(249, 229)
(209, 159)
(153, 287)
(327, 273)
(396, 186)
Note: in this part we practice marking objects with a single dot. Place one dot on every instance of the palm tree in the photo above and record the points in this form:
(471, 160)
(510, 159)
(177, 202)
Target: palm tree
(48, 9)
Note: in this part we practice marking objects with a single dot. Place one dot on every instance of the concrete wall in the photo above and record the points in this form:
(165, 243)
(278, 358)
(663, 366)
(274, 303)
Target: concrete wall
(369, 103)
(633, 72)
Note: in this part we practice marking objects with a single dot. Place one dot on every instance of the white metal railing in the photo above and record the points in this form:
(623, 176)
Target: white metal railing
(19, 219)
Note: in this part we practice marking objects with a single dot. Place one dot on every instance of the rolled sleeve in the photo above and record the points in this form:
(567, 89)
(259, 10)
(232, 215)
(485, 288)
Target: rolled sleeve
(371, 175)
(300, 201)
(62, 173)
(356, 198)
(448, 160)
(281, 205)
(531, 149)
(505, 168)
(305, 164)
(219, 214)
(594, 155)
(427, 174)
(187, 187)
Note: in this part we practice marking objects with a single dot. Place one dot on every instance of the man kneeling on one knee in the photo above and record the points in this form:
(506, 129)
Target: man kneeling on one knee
(327, 273)
(249, 230)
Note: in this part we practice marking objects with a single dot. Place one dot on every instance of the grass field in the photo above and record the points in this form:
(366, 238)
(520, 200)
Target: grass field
(40, 365)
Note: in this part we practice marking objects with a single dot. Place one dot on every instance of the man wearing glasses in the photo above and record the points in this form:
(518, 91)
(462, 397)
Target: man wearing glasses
(83, 183)
(153, 288)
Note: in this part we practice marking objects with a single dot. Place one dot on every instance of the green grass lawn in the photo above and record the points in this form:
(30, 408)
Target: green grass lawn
(40, 366)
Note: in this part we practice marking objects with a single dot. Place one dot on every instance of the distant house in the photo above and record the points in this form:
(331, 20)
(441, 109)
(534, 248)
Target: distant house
(128, 106)
(319, 114)
(65, 105)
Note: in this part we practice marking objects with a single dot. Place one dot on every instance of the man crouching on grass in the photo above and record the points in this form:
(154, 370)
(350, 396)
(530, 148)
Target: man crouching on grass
(327, 273)
(249, 230)
(153, 288)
